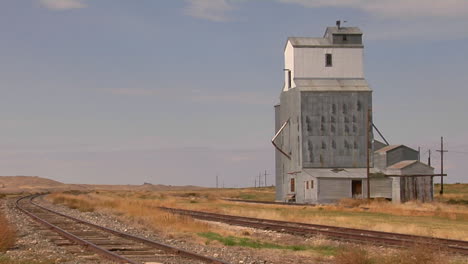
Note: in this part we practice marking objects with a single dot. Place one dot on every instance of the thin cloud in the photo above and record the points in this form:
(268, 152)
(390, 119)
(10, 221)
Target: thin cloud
(62, 4)
(134, 91)
(409, 9)
(404, 19)
(238, 98)
(212, 10)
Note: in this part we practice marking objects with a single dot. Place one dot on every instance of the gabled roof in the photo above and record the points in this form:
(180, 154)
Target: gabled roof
(388, 148)
(402, 164)
(406, 163)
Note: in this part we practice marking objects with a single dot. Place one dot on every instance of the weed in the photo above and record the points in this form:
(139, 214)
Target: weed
(349, 202)
(353, 255)
(7, 234)
(417, 254)
(247, 242)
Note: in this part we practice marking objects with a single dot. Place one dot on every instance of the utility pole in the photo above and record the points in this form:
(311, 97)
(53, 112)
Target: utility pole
(259, 179)
(216, 181)
(266, 178)
(255, 184)
(429, 159)
(419, 153)
(442, 164)
(368, 143)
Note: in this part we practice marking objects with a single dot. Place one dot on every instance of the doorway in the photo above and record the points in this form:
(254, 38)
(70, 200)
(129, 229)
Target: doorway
(356, 188)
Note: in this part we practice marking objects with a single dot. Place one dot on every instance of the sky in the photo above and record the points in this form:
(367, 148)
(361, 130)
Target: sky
(178, 92)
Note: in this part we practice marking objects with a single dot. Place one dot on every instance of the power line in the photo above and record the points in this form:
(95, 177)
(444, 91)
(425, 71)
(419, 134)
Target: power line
(459, 152)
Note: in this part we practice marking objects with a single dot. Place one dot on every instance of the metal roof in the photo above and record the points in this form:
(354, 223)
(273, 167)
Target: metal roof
(402, 164)
(312, 84)
(337, 173)
(343, 30)
(303, 41)
(388, 148)
(306, 42)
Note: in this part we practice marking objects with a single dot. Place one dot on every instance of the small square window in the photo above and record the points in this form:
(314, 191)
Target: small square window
(328, 60)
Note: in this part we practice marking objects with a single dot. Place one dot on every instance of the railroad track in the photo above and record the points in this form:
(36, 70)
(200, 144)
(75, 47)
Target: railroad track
(333, 232)
(114, 245)
(267, 202)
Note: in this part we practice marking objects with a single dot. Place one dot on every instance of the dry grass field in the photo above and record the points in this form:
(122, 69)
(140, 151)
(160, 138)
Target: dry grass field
(439, 219)
(453, 193)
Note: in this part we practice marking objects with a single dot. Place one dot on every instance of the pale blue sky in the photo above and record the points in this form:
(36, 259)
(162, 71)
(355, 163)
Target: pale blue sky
(175, 92)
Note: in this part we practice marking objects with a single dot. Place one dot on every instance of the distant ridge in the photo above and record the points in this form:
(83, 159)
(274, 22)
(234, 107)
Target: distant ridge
(18, 184)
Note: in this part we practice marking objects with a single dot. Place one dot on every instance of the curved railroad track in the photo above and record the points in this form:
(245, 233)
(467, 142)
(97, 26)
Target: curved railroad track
(109, 243)
(333, 232)
(266, 202)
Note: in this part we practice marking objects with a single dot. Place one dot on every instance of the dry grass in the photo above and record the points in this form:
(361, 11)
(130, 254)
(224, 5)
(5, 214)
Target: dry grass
(414, 255)
(429, 219)
(7, 234)
(137, 210)
(353, 255)
(433, 219)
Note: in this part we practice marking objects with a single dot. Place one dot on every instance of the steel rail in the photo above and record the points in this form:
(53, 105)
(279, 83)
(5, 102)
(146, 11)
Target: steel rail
(267, 202)
(174, 250)
(93, 247)
(340, 233)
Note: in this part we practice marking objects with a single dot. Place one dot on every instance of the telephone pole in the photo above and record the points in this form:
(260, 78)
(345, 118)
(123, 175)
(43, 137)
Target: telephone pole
(368, 146)
(429, 158)
(442, 164)
(216, 181)
(266, 178)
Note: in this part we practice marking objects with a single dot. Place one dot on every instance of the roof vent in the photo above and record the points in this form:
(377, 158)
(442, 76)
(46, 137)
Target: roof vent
(338, 23)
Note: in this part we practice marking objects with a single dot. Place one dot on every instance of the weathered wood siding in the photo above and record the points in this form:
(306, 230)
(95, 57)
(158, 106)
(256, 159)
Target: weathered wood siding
(416, 188)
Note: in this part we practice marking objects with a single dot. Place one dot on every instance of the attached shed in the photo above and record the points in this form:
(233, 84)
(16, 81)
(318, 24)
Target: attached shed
(389, 155)
(406, 188)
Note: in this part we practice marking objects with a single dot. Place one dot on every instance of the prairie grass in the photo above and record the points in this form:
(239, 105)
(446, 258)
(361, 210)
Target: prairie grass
(415, 254)
(140, 211)
(353, 255)
(436, 219)
(7, 234)
(248, 242)
(453, 193)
